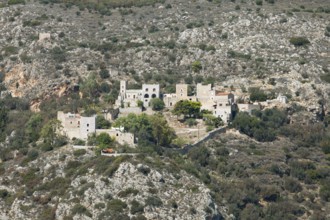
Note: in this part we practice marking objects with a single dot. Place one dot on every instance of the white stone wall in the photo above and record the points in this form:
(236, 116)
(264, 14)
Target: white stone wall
(126, 111)
(181, 91)
(149, 91)
(247, 107)
(170, 100)
(203, 91)
(224, 112)
(87, 126)
(119, 136)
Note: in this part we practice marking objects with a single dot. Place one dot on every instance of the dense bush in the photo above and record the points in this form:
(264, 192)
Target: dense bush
(32, 155)
(325, 191)
(104, 73)
(153, 201)
(299, 41)
(152, 129)
(4, 193)
(136, 207)
(14, 2)
(200, 155)
(102, 123)
(292, 185)
(127, 192)
(116, 206)
(191, 122)
(235, 54)
(258, 2)
(79, 152)
(262, 126)
(80, 209)
(58, 54)
(31, 23)
(187, 108)
(257, 95)
(196, 66)
(157, 104)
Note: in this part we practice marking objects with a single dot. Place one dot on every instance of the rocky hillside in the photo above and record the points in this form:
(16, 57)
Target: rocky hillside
(79, 185)
(71, 55)
(232, 43)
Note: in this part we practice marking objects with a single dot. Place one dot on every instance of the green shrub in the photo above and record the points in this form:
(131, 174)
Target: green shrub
(325, 191)
(258, 2)
(79, 152)
(299, 41)
(100, 205)
(102, 123)
(196, 66)
(157, 104)
(139, 217)
(153, 29)
(58, 54)
(326, 77)
(292, 185)
(32, 154)
(104, 87)
(116, 206)
(270, 194)
(153, 201)
(234, 54)
(144, 170)
(127, 192)
(45, 147)
(10, 50)
(81, 210)
(191, 122)
(31, 23)
(257, 95)
(4, 193)
(74, 167)
(104, 73)
(57, 186)
(14, 2)
(136, 207)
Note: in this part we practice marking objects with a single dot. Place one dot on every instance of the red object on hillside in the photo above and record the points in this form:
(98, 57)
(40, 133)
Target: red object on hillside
(108, 151)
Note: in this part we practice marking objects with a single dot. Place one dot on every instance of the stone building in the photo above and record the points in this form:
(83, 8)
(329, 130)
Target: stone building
(181, 93)
(119, 135)
(219, 103)
(130, 97)
(223, 105)
(75, 125)
(248, 107)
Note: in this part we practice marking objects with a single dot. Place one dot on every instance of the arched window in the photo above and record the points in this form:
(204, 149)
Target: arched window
(146, 96)
(153, 96)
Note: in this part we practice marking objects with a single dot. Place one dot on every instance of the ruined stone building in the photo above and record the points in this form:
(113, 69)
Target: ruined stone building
(119, 135)
(80, 127)
(181, 94)
(219, 103)
(130, 97)
(75, 125)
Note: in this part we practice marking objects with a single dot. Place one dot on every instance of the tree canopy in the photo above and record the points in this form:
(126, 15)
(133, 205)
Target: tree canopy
(157, 104)
(261, 125)
(152, 128)
(187, 108)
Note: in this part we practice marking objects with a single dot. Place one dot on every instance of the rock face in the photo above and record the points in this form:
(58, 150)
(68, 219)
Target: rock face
(245, 47)
(132, 190)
